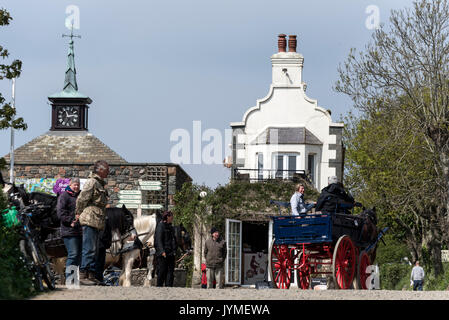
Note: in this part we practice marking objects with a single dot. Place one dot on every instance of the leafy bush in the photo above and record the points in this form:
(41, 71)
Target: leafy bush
(393, 251)
(437, 283)
(394, 276)
(15, 279)
(188, 263)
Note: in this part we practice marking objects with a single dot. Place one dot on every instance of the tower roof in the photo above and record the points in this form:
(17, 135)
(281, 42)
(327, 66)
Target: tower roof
(75, 147)
(70, 89)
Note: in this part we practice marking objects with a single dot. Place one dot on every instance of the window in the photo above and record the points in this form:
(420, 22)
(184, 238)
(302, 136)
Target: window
(291, 166)
(279, 166)
(311, 167)
(286, 164)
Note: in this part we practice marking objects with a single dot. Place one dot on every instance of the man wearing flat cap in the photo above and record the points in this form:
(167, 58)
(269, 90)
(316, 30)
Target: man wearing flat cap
(215, 253)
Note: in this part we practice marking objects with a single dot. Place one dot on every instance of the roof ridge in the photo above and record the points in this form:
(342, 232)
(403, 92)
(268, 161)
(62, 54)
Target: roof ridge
(72, 148)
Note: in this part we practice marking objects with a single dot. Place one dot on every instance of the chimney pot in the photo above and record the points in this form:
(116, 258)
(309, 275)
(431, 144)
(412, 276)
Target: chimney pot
(282, 43)
(292, 43)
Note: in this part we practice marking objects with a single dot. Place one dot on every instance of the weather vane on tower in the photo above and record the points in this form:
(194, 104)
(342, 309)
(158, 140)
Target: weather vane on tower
(71, 35)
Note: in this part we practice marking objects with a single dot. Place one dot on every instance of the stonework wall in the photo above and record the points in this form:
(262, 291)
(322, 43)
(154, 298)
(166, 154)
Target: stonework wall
(121, 177)
(138, 277)
(338, 161)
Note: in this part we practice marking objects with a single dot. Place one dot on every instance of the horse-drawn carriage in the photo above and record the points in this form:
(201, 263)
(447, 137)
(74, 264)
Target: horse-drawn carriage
(340, 245)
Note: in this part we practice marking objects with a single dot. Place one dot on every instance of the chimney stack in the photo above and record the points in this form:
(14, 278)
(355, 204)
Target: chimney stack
(287, 66)
(292, 43)
(282, 43)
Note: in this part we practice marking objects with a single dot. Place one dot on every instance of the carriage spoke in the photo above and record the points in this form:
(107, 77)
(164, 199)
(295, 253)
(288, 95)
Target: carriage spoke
(276, 252)
(277, 277)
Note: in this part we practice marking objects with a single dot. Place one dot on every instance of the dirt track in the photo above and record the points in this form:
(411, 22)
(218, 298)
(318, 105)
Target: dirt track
(154, 293)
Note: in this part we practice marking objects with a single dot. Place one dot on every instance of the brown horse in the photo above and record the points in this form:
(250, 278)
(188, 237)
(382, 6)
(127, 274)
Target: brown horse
(369, 230)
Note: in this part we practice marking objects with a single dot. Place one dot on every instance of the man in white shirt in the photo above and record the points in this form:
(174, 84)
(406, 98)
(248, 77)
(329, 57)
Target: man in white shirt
(417, 277)
(297, 201)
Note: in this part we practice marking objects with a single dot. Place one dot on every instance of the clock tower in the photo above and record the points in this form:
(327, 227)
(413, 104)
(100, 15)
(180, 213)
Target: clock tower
(69, 107)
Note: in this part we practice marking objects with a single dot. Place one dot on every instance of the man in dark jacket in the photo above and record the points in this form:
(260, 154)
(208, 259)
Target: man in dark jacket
(70, 229)
(215, 253)
(334, 198)
(165, 244)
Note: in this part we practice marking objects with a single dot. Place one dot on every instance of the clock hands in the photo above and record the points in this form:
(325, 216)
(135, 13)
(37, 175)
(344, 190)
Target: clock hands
(68, 117)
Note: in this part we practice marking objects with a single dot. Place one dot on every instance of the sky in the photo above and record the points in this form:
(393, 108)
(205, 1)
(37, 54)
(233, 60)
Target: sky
(152, 67)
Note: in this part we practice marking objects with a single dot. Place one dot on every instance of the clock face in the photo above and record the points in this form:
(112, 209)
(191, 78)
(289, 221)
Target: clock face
(68, 117)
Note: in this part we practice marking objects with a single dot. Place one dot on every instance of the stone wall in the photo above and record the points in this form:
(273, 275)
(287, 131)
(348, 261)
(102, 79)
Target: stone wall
(121, 177)
(138, 278)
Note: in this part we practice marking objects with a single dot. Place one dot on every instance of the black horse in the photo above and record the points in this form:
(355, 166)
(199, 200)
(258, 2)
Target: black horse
(48, 221)
(369, 230)
(17, 195)
(44, 216)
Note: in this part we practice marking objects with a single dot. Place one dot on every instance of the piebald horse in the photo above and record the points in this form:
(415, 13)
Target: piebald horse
(145, 227)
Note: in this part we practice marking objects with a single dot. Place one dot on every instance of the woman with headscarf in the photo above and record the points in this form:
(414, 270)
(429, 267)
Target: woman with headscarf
(71, 231)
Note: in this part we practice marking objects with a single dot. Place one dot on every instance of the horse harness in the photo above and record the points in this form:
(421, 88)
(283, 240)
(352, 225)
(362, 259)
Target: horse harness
(137, 244)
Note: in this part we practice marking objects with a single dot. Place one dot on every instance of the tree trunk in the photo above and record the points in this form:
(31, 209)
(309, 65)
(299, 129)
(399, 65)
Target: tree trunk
(199, 238)
(444, 158)
(432, 241)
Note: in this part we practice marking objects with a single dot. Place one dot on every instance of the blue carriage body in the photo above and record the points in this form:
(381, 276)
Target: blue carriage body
(312, 228)
(315, 228)
(305, 242)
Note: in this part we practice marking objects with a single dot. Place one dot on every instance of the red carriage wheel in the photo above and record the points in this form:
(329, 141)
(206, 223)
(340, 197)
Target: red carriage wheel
(363, 263)
(281, 265)
(343, 262)
(303, 272)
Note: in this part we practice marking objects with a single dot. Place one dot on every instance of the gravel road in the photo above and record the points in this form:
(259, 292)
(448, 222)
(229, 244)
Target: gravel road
(155, 293)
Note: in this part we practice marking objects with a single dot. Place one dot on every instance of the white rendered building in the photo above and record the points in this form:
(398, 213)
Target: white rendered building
(286, 132)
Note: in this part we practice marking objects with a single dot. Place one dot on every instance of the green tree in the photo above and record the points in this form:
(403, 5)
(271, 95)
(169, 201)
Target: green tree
(404, 72)
(9, 71)
(15, 280)
(388, 168)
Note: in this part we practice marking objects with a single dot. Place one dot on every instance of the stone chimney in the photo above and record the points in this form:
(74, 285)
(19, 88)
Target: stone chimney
(292, 43)
(282, 43)
(287, 66)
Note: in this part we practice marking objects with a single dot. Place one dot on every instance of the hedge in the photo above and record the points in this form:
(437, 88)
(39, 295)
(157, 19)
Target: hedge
(15, 279)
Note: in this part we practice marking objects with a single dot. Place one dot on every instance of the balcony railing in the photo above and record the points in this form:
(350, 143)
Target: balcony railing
(255, 175)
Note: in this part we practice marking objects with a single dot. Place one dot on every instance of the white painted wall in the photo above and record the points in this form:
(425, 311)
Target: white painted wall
(287, 105)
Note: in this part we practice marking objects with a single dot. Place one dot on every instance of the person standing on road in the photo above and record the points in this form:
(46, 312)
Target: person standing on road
(90, 206)
(165, 244)
(417, 277)
(71, 232)
(297, 201)
(215, 253)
